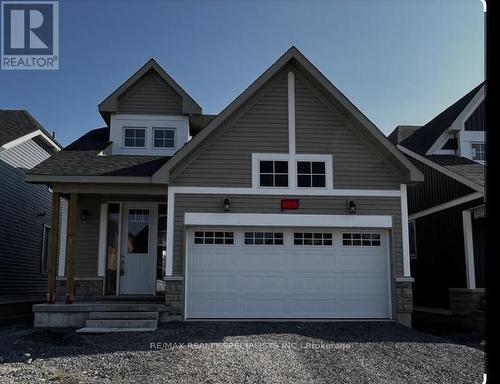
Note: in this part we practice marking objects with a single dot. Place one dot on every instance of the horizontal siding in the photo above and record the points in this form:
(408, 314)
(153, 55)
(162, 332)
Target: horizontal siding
(25, 155)
(226, 161)
(151, 95)
(319, 130)
(21, 236)
(87, 232)
(436, 189)
(271, 204)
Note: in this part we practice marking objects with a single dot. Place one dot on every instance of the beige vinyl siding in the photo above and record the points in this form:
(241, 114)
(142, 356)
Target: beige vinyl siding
(87, 232)
(226, 159)
(319, 130)
(271, 204)
(151, 95)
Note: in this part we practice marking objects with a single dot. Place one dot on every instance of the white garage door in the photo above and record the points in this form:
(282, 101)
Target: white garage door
(299, 273)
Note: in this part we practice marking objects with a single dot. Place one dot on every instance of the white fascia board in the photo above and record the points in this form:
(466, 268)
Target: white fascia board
(448, 204)
(442, 169)
(20, 140)
(459, 123)
(287, 191)
(30, 136)
(287, 220)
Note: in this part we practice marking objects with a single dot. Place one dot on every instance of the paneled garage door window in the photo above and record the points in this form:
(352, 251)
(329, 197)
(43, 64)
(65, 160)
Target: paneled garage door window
(209, 237)
(310, 238)
(263, 238)
(361, 239)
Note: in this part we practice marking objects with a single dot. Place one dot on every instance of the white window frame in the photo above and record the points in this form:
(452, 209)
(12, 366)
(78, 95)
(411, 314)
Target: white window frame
(156, 128)
(292, 171)
(473, 151)
(203, 244)
(310, 174)
(312, 239)
(264, 238)
(135, 128)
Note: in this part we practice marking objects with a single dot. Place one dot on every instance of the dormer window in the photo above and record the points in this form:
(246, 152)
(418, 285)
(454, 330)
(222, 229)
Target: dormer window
(163, 137)
(134, 137)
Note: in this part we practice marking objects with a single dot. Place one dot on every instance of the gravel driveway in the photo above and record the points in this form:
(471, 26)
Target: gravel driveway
(220, 352)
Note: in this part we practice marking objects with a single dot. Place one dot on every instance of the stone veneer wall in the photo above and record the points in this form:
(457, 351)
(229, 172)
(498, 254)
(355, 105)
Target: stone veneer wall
(174, 297)
(404, 301)
(85, 289)
(465, 302)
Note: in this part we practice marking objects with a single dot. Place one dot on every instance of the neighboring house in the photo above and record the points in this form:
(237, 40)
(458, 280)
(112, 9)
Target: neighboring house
(25, 217)
(447, 212)
(290, 203)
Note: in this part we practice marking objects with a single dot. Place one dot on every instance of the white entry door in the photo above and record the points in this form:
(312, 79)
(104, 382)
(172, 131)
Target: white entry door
(138, 258)
(287, 273)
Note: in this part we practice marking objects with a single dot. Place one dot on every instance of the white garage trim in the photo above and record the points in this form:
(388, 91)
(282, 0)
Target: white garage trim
(288, 220)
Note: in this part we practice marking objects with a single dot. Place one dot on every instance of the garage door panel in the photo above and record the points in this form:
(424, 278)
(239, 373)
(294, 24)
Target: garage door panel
(287, 280)
(363, 308)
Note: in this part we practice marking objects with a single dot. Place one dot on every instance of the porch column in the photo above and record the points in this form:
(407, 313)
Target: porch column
(54, 239)
(71, 253)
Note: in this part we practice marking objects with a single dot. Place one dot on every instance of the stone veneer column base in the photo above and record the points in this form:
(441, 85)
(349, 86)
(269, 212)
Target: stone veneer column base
(174, 297)
(465, 302)
(86, 289)
(404, 300)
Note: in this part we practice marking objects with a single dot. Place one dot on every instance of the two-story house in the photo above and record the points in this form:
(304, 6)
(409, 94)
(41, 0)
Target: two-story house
(289, 204)
(447, 214)
(25, 215)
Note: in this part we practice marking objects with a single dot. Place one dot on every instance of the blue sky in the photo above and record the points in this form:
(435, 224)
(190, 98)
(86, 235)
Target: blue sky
(399, 61)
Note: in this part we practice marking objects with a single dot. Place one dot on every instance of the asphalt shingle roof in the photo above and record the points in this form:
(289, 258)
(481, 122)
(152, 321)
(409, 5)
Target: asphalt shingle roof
(84, 157)
(466, 168)
(422, 139)
(18, 123)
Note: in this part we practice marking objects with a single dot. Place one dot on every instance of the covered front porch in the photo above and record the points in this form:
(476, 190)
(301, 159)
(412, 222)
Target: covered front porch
(107, 255)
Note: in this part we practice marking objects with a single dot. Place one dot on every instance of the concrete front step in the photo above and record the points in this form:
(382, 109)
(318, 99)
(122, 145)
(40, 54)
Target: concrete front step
(114, 330)
(122, 323)
(123, 315)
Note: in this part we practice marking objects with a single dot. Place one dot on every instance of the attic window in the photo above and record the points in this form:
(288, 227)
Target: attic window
(163, 137)
(134, 137)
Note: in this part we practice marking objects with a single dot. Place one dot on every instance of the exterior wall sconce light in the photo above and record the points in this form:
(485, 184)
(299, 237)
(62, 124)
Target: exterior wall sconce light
(84, 215)
(226, 205)
(352, 207)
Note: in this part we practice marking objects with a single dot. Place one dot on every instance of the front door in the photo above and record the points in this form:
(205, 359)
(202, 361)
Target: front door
(138, 258)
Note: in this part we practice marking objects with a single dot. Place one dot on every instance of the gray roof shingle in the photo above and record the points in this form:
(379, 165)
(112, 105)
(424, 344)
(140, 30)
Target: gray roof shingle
(466, 168)
(83, 158)
(18, 123)
(423, 138)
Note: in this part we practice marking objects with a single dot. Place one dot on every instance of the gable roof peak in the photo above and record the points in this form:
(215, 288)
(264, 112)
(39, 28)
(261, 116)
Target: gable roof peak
(110, 104)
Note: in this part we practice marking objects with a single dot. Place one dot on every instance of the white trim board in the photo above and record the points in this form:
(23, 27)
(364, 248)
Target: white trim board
(291, 113)
(27, 137)
(287, 191)
(287, 220)
(469, 249)
(405, 232)
(448, 204)
(63, 236)
(103, 231)
(442, 169)
(250, 191)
